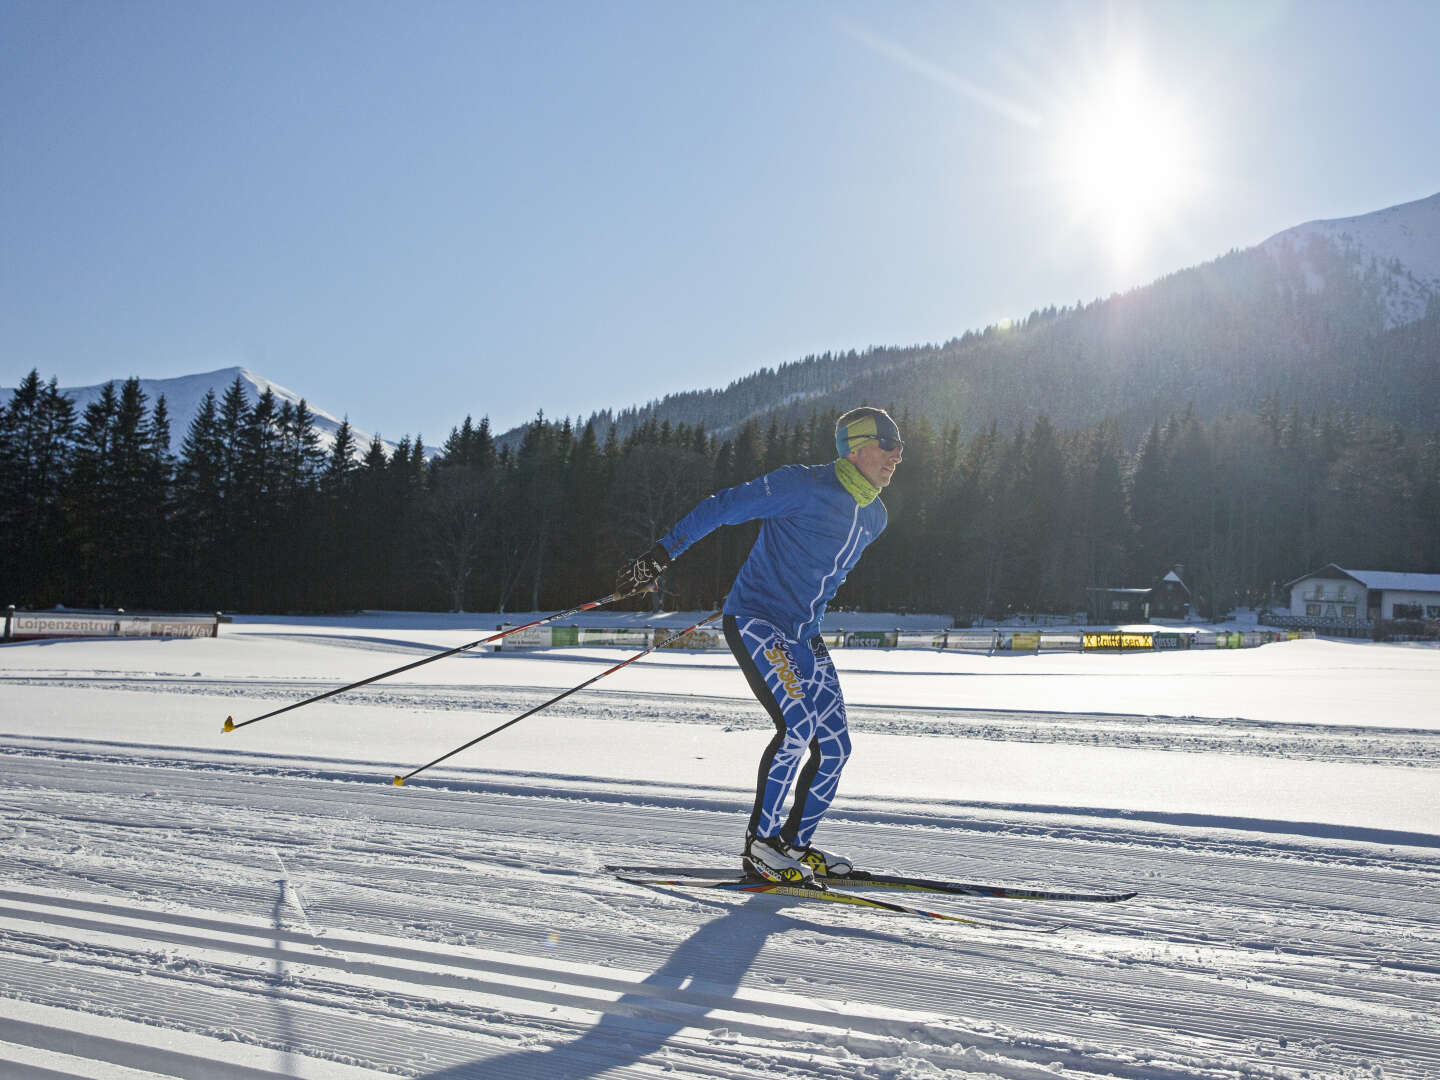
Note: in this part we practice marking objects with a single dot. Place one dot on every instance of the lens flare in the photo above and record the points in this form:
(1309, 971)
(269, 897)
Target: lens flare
(1129, 158)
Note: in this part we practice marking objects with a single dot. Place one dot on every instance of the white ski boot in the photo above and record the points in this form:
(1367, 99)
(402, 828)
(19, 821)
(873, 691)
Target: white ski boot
(820, 861)
(765, 858)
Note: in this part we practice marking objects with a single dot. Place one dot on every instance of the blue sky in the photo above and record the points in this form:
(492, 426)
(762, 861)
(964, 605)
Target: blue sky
(413, 211)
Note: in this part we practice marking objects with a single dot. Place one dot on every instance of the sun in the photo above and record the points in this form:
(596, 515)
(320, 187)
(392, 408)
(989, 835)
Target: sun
(1129, 159)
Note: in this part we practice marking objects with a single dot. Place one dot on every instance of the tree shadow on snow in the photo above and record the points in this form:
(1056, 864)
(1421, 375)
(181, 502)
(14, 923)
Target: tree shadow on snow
(699, 977)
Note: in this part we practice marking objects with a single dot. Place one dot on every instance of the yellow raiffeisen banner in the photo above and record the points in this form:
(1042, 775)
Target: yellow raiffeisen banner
(1112, 639)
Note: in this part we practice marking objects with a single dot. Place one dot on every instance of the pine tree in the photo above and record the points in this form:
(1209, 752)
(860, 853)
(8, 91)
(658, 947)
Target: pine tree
(1042, 501)
(406, 484)
(200, 509)
(36, 431)
(1150, 501)
(460, 513)
(458, 449)
(90, 503)
(302, 456)
(654, 486)
(1099, 517)
(343, 532)
(340, 462)
(977, 547)
(539, 490)
(482, 452)
(233, 422)
(374, 557)
(588, 549)
(137, 503)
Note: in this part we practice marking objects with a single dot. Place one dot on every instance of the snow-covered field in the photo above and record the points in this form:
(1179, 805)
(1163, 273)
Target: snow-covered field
(179, 902)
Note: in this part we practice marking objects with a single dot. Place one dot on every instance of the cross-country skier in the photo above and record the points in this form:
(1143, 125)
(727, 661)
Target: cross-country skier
(816, 520)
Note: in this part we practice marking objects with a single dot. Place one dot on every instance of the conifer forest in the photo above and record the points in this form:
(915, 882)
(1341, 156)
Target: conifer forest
(251, 514)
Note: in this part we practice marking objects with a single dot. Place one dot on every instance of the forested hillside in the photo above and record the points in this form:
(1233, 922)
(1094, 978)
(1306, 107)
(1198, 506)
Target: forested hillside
(1251, 419)
(1306, 324)
(252, 515)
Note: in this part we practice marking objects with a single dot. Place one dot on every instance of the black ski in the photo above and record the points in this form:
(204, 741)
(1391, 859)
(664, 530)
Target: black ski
(864, 879)
(751, 887)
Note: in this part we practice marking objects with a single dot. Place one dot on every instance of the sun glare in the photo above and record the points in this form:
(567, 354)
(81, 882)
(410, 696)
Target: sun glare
(1128, 160)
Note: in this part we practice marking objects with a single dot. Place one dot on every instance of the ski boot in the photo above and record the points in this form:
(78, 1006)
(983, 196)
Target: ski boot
(821, 862)
(765, 858)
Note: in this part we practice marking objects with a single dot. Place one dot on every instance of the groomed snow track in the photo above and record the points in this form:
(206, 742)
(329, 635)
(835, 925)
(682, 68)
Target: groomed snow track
(165, 914)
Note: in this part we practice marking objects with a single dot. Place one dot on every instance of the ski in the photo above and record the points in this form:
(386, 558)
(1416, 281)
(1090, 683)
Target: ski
(751, 887)
(962, 888)
(864, 879)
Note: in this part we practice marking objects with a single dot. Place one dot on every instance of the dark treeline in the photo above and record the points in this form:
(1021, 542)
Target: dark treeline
(95, 511)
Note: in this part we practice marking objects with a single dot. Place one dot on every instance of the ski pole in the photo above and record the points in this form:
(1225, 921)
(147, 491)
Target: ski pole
(230, 724)
(400, 780)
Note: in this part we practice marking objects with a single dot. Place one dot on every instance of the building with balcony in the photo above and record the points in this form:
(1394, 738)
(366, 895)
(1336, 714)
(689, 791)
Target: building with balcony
(1336, 600)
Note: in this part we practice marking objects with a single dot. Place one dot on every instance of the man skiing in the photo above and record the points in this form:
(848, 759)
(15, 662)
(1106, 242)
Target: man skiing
(816, 520)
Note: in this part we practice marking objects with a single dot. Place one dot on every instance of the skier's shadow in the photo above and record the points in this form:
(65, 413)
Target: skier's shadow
(700, 976)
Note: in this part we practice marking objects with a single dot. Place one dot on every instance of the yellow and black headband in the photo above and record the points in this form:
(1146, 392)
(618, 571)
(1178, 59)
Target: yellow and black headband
(856, 428)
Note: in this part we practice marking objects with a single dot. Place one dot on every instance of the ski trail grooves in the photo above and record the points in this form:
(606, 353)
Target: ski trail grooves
(448, 934)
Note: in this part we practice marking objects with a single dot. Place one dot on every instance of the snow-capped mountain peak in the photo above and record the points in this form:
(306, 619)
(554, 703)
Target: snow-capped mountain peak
(1399, 247)
(184, 394)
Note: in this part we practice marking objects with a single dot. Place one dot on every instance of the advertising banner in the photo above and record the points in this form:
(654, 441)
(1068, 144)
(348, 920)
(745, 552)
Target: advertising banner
(1025, 641)
(26, 624)
(636, 637)
(559, 637)
(537, 637)
(697, 639)
(196, 628)
(912, 639)
(166, 626)
(33, 625)
(1114, 639)
(871, 639)
(985, 641)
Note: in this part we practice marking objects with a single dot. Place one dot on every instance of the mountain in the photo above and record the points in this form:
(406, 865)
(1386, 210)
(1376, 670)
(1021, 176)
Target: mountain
(1336, 314)
(1397, 248)
(1328, 315)
(184, 394)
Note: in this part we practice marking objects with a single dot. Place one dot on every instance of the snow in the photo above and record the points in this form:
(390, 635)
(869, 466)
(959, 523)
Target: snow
(1398, 582)
(1408, 234)
(184, 394)
(181, 902)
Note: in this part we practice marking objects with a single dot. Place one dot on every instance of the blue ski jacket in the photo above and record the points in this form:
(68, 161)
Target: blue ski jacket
(812, 534)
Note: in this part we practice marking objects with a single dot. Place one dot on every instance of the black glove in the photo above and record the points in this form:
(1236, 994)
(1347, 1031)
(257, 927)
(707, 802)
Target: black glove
(642, 574)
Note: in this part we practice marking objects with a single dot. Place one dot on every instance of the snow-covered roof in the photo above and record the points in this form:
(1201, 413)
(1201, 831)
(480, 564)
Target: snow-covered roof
(1388, 580)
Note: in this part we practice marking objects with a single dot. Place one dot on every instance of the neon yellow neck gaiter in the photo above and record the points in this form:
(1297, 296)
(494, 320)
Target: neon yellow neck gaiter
(853, 481)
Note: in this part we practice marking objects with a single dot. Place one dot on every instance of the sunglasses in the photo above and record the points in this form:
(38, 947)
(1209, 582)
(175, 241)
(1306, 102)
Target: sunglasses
(885, 444)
